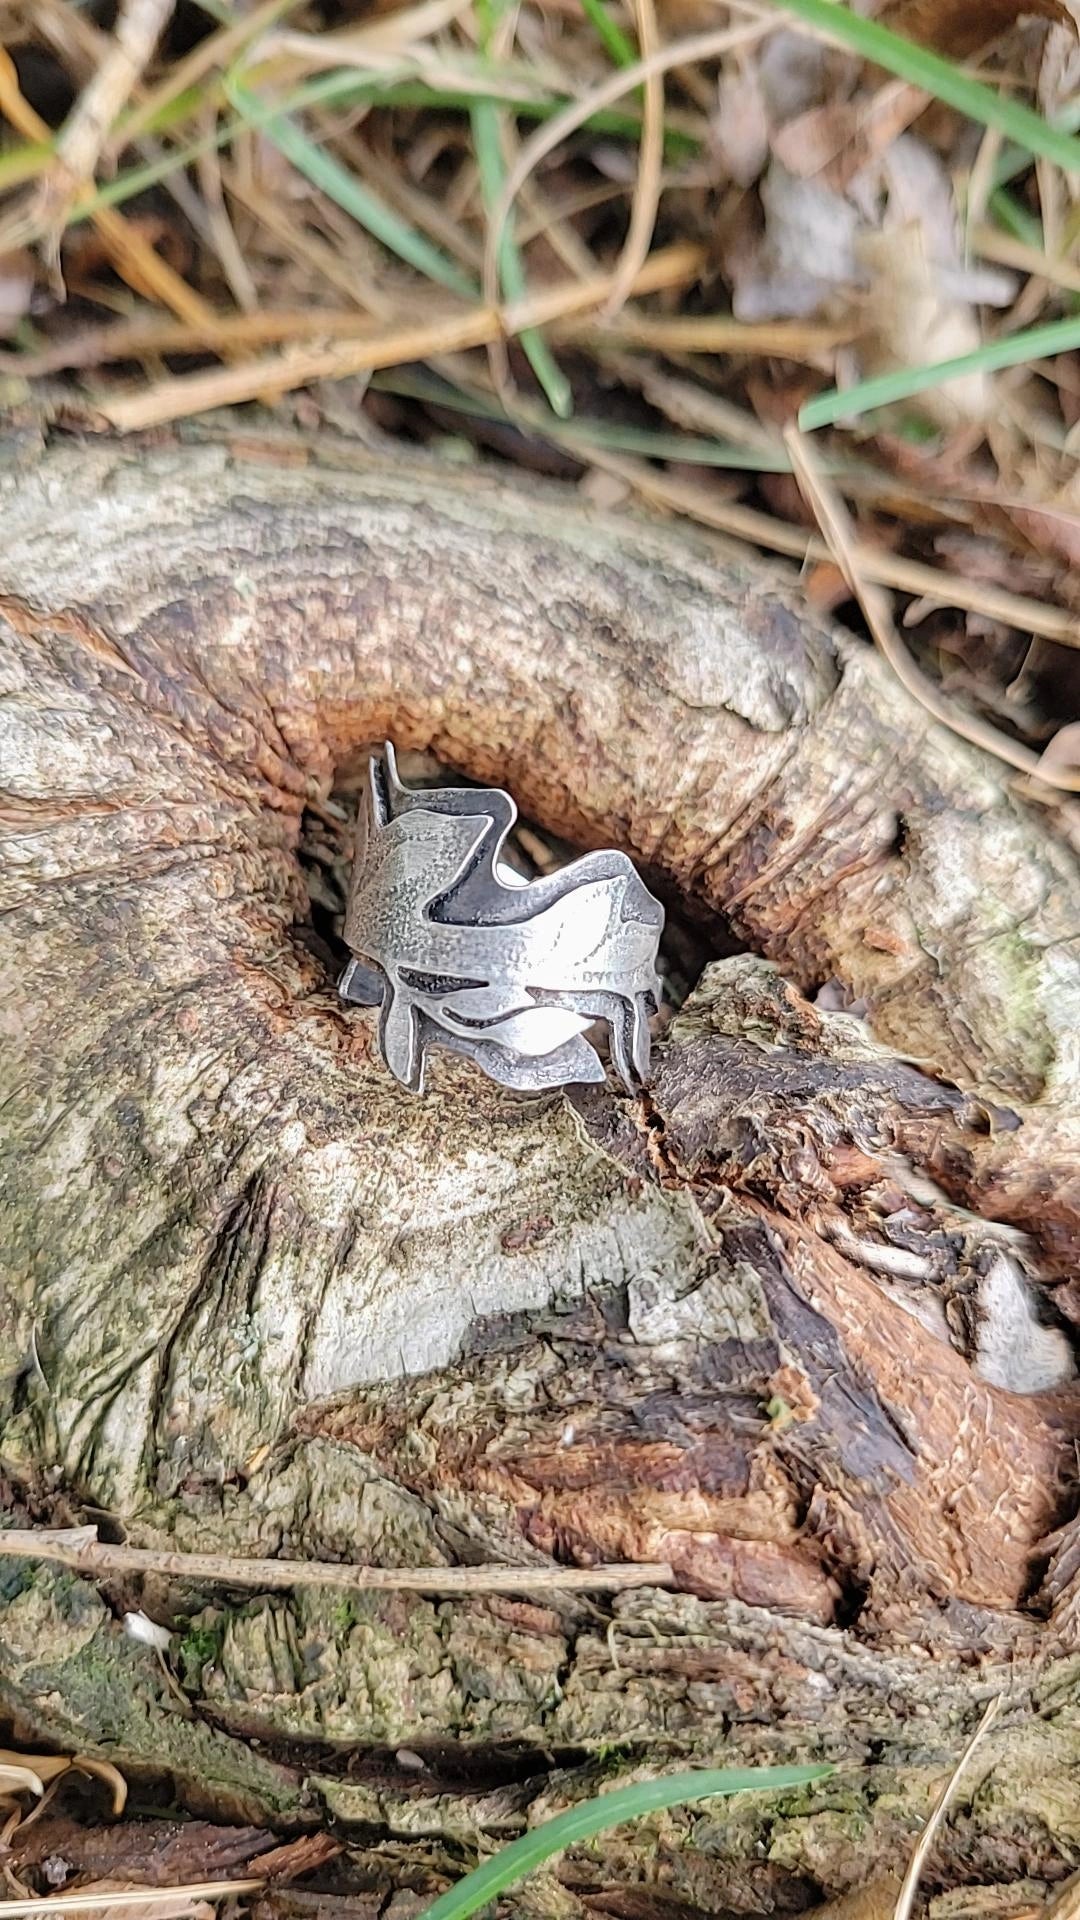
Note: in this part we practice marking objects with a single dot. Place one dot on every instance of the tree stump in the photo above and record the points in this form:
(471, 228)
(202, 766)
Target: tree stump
(799, 1320)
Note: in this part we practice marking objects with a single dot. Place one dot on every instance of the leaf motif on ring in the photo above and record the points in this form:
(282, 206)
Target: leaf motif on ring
(510, 973)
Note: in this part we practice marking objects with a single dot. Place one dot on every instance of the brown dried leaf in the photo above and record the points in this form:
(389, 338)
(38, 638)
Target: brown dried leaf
(17, 1779)
(1059, 68)
(911, 321)
(32, 1772)
(962, 27)
(739, 129)
(829, 141)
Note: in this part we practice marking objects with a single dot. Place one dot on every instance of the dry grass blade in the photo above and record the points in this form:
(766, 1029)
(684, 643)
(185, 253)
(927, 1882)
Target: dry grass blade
(97, 1557)
(910, 1886)
(133, 257)
(189, 394)
(141, 1903)
(875, 563)
(217, 50)
(839, 534)
(81, 139)
(713, 333)
(139, 26)
(490, 133)
(312, 159)
(646, 196)
(151, 338)
(391, 33)
(701, 46)
(994, 245)
(16, 1777)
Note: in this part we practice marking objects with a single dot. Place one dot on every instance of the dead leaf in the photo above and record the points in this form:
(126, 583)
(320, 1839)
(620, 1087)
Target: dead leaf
(16, 1779)
(739, 129)
(830, 142)
(22, 1773)
(1059, 68)
(911, 321)
(963, 27)
(807, 254)
(918, 188)
(139, 1626)
(796, 72)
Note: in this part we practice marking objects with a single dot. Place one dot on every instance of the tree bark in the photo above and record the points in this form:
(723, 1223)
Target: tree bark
(797, 1321)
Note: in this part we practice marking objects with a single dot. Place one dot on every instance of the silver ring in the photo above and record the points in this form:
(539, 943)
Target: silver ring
(459, 952)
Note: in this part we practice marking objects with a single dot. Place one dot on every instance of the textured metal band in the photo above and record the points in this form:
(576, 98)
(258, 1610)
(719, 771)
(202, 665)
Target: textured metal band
(460, 953)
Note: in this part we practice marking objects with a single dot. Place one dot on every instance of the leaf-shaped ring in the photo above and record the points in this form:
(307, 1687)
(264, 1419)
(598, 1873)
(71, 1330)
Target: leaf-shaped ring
(458, 952)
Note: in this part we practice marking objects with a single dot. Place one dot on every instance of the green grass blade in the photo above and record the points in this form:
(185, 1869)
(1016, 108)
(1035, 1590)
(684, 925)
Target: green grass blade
(653, 442)
(355, 199)
(620, 50)
(24, 163)
(1013, 160)
(916, 64)
(347, 87)
(522, 1856)
(1034, 343)
(135, 180)
(484, 116)
(1008, 212)
(485, 128)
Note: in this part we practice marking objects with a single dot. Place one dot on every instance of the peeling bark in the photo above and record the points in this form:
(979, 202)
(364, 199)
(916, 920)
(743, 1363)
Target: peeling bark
(794, 1321)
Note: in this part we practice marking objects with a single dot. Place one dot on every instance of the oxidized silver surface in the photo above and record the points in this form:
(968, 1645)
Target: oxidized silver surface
(460, 953)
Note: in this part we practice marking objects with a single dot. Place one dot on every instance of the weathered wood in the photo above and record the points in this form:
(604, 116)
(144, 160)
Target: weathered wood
(760, 1324)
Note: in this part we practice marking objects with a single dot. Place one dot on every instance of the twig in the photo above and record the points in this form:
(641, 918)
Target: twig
(905, 1899)
(835, 522)
(81, 1550)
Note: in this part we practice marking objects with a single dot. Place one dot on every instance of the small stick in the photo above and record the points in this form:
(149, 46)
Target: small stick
(81, 1550)
(906, 1897)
